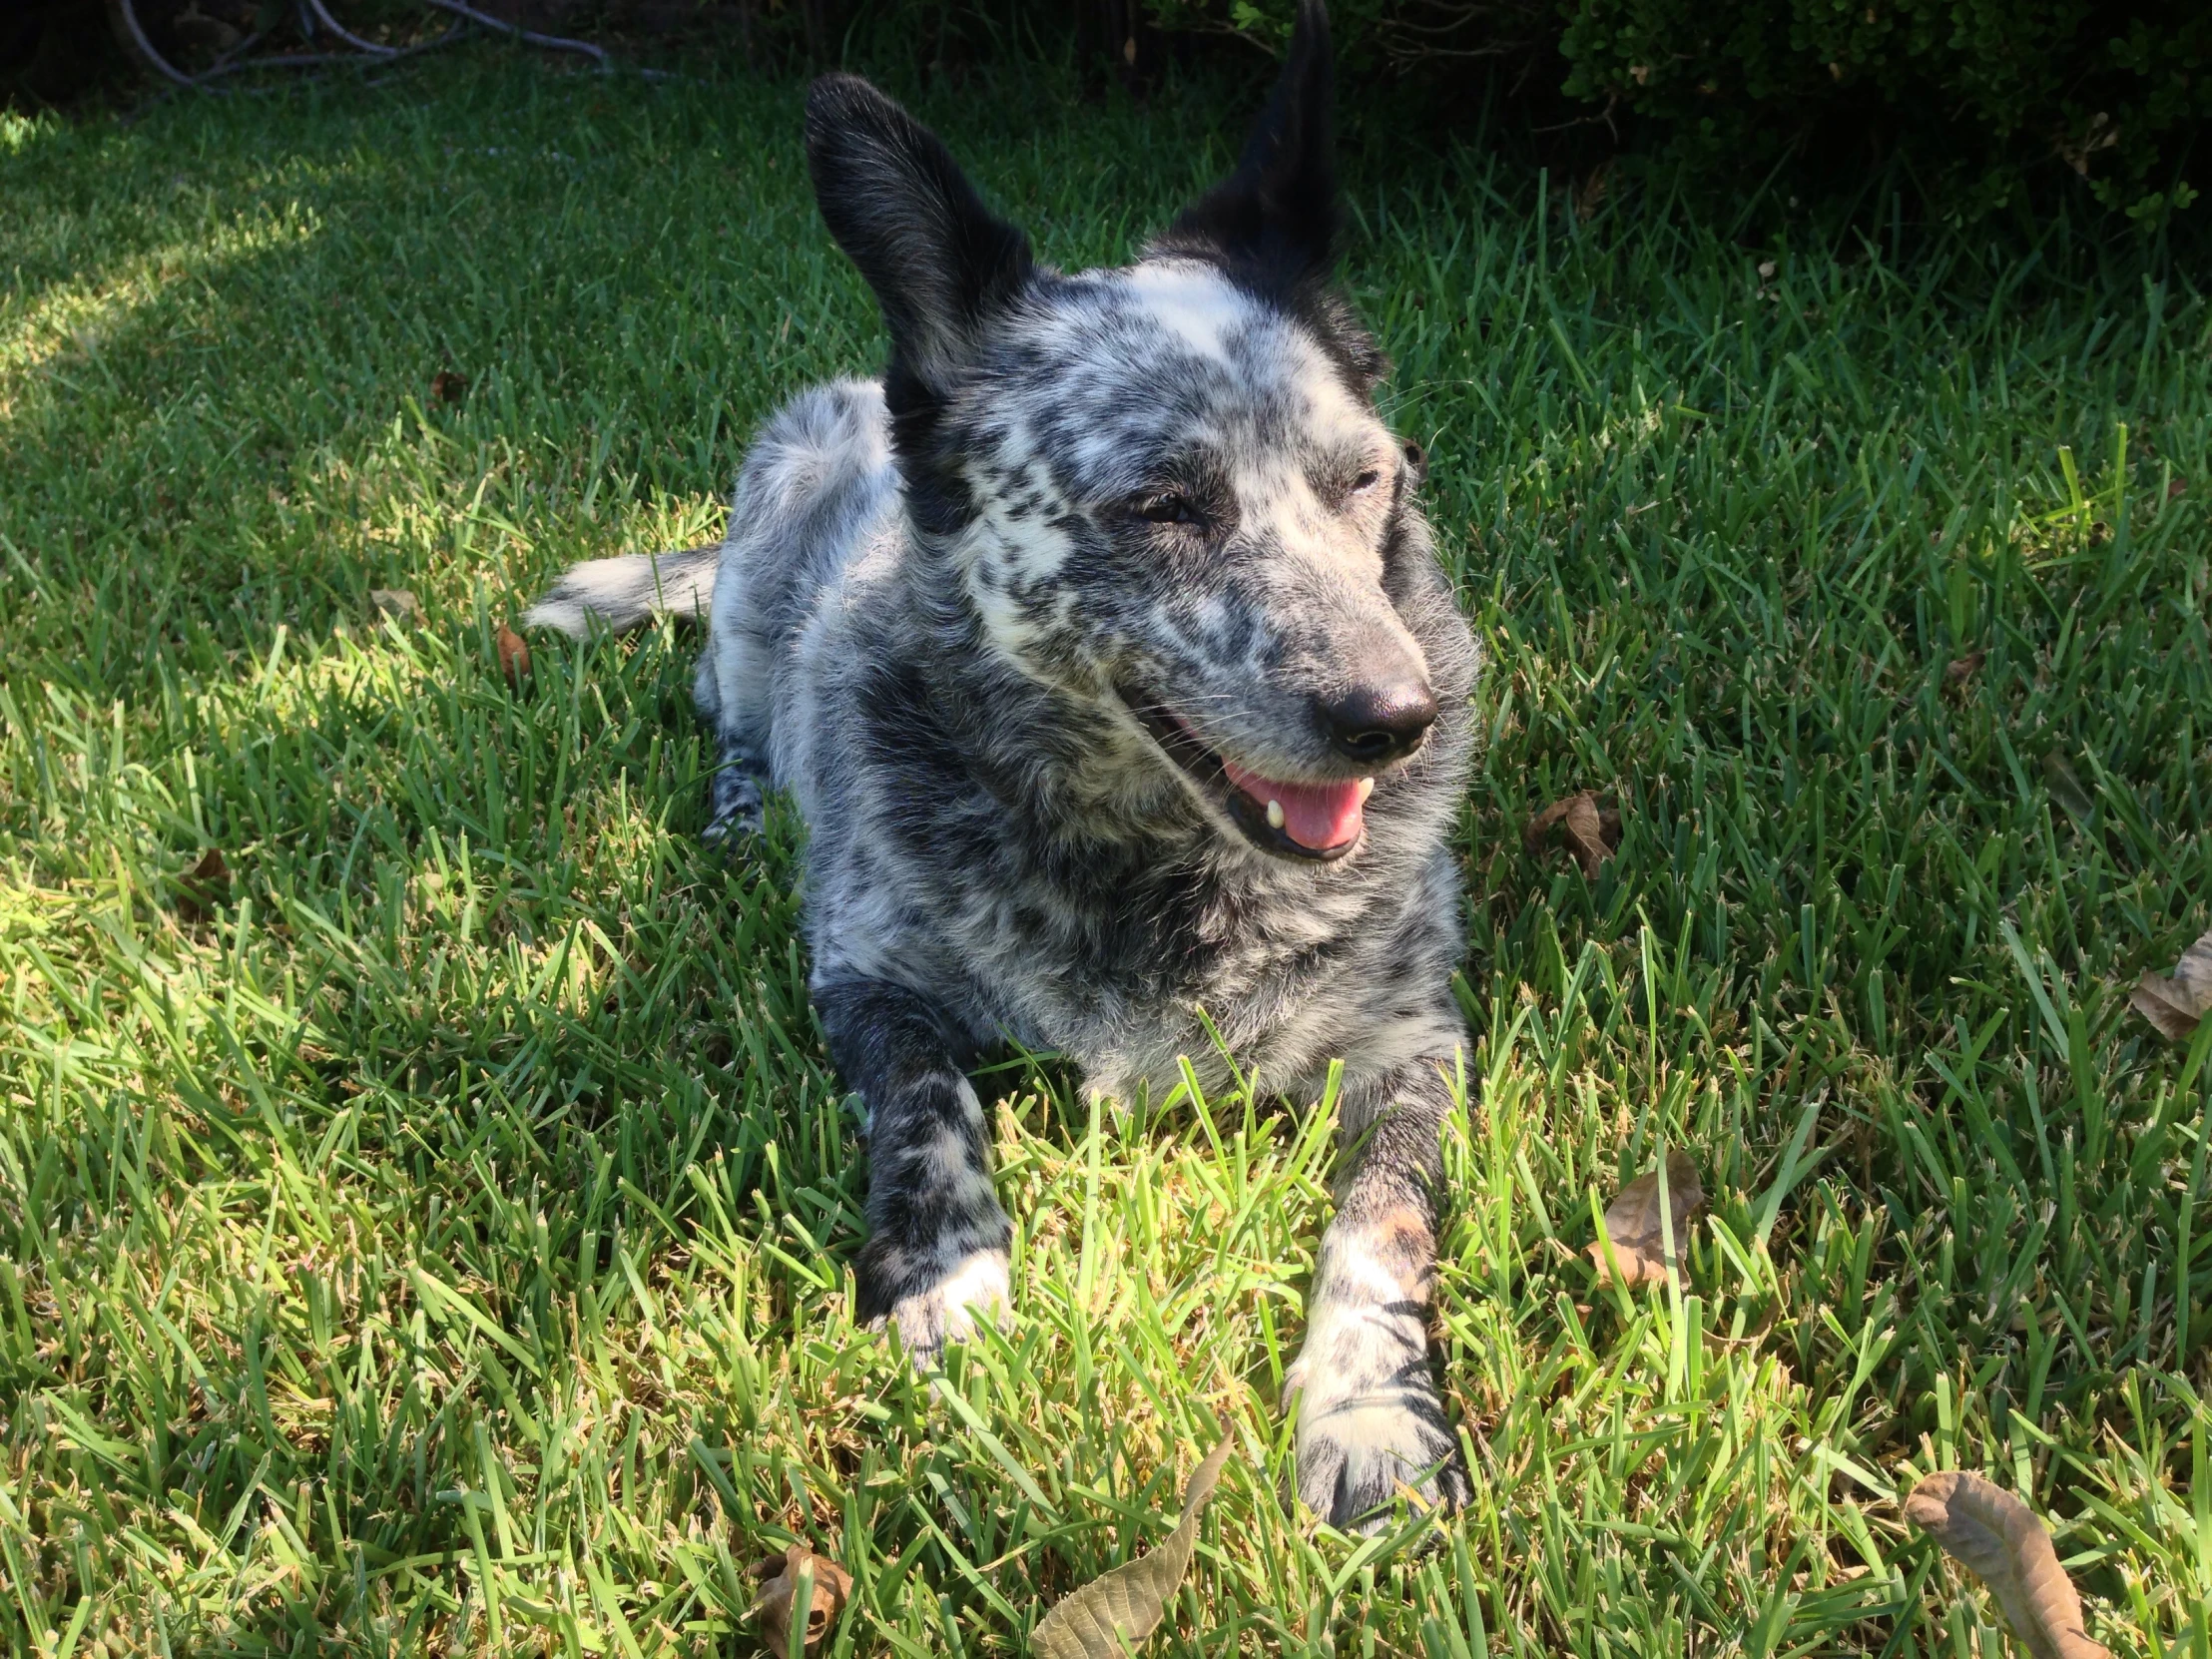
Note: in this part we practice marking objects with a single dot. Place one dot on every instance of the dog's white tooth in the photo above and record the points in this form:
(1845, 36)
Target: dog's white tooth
(1367, 788)
(1275, 815)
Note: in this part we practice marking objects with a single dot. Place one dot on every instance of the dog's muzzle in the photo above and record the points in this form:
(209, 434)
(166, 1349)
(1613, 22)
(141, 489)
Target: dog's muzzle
(1318, 820)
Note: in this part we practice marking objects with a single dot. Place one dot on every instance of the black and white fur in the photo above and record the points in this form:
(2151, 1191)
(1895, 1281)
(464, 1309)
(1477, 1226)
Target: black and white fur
(1001, 620)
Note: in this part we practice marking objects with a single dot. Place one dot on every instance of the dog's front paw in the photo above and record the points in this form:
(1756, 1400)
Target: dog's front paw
(1361, 1444)
(931, 1309)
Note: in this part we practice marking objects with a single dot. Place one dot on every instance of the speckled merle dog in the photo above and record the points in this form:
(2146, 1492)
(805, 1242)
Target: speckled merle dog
(1102, 645)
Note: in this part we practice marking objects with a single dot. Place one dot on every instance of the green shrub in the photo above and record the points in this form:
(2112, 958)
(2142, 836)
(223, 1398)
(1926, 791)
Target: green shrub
(1976, 95)
(1982, 91)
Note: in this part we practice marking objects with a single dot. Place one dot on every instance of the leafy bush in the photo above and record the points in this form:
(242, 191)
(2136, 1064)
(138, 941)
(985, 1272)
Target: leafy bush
(1976, 96)
(1989, 87)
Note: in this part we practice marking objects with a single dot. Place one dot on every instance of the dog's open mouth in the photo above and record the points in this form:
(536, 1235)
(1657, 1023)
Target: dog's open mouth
(1289, 818)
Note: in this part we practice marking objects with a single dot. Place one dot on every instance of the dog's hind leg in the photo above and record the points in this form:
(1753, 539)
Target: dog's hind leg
(816, 483)
(935, 1258)
(1370, 1417)
(736, 799)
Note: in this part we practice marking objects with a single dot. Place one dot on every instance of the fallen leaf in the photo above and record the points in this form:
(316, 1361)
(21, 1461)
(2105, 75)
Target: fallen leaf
(204, 886)
(1109, 1616)
(1750, 1338)
(2176, 488)
(1633, 1222)
(2175, 1005)
(1591, 194)
(2066, 787)
(832, 1585)
(1592, 833)
(514, 656)
(1999, 1536)
(397, 603)
(448, 387)
(2076, 151)
(1964, 668)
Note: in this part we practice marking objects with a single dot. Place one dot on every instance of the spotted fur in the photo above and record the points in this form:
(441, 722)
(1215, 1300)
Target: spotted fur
(1000, 619)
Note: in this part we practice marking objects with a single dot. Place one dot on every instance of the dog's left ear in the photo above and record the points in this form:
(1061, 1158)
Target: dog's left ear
(940, 262)
(1273, 221)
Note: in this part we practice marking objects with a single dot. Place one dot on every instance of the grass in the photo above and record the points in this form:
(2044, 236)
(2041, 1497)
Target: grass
(435, 1237)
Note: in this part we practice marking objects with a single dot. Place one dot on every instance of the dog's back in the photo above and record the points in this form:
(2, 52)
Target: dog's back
(818, 491)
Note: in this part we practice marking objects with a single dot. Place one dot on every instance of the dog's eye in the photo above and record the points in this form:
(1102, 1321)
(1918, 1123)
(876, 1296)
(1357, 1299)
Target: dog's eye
(1366, 482)
(1167, 507)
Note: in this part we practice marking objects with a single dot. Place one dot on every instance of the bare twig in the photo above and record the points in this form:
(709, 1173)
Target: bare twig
(558, 43)
(240, 50)
(289, 60)
(318, 16)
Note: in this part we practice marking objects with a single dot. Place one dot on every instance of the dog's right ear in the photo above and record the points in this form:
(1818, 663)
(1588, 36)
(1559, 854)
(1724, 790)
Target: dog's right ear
(940, 262)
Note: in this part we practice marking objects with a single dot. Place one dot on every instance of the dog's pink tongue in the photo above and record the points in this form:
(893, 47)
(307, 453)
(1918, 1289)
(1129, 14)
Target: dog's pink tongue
(1317, 815)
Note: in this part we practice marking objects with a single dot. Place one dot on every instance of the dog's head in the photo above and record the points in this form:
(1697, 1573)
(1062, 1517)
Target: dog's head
(1163, 490)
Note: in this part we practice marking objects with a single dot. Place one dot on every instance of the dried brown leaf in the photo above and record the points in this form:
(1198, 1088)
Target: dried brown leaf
(1108, 1618)
(2175, 1005)
(1998, 1538)
(832, 1586)
(204, 886)
(397, 603)
(1964, 668)
(514, 656)
(1591, 194)
(1635, 1222)
(1592, 833)
(448, 387)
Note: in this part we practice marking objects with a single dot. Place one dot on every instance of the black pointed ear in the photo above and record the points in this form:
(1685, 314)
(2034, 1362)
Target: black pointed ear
(940, 262)
(1274, 220)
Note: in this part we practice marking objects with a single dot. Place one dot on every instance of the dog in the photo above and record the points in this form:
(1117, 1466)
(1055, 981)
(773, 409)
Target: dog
(1102, 645)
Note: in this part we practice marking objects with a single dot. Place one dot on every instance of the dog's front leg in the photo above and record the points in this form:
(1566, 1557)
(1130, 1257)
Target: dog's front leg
(935, 1257)
(1370, 1418)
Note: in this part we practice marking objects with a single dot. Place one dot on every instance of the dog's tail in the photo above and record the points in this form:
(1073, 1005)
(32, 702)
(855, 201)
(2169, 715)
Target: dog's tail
(623, 593)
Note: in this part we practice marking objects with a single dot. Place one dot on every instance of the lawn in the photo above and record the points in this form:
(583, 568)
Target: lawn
(430, 1229)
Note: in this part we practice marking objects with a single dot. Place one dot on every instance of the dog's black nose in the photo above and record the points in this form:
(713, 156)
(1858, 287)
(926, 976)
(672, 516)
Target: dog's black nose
(1378, 723)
